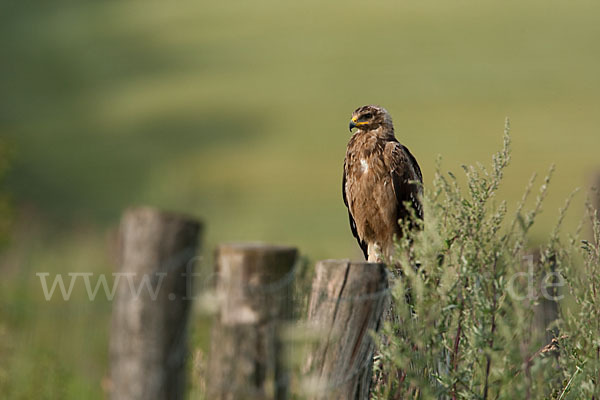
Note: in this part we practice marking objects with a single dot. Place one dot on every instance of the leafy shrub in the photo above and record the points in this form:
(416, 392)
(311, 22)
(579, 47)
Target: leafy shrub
(465, 319)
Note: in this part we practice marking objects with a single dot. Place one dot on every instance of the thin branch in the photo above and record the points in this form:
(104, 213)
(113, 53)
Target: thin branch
(562, 395)
(493, 329)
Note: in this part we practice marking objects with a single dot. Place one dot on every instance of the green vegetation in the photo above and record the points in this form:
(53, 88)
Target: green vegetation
(237, 112)
(5, 209)
(467, 329)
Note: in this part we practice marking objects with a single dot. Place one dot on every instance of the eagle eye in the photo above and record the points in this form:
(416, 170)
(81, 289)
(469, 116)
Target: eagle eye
(367, 116)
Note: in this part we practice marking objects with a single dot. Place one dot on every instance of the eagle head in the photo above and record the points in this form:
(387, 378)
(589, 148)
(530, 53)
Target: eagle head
(371, 117)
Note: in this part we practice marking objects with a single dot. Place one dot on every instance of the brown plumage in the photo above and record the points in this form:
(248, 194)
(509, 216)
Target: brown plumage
(379, 177)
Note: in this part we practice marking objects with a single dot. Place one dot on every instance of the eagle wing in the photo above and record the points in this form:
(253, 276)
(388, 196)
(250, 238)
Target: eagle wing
(363, 245)
(407, 179)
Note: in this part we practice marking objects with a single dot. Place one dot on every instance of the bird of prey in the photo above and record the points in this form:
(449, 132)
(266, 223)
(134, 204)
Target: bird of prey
(380, 177)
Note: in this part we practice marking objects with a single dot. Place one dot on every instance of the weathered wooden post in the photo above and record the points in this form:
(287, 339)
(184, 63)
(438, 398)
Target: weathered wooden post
(546, 284)
(151, 307)
(253, 290)
(347, 302)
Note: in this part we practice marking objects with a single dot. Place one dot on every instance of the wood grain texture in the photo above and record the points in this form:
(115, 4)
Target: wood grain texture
(148, 331)
(346, 304)
(254, 293)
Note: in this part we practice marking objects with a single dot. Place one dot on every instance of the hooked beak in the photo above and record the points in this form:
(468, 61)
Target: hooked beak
(352, 125)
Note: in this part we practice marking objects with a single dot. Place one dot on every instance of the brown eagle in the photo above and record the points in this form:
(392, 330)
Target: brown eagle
(380, 176)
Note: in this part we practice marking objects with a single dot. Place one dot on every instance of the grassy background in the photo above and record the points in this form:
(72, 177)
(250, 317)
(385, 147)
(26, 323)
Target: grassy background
(237, 112)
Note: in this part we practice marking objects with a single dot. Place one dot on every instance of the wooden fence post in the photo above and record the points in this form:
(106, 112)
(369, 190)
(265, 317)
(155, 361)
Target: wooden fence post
(148, 333)
(253, 290)
(347, 302)
(546, 311)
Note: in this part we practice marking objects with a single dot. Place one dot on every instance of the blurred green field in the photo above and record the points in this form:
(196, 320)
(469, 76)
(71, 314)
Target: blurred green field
(237, 112)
